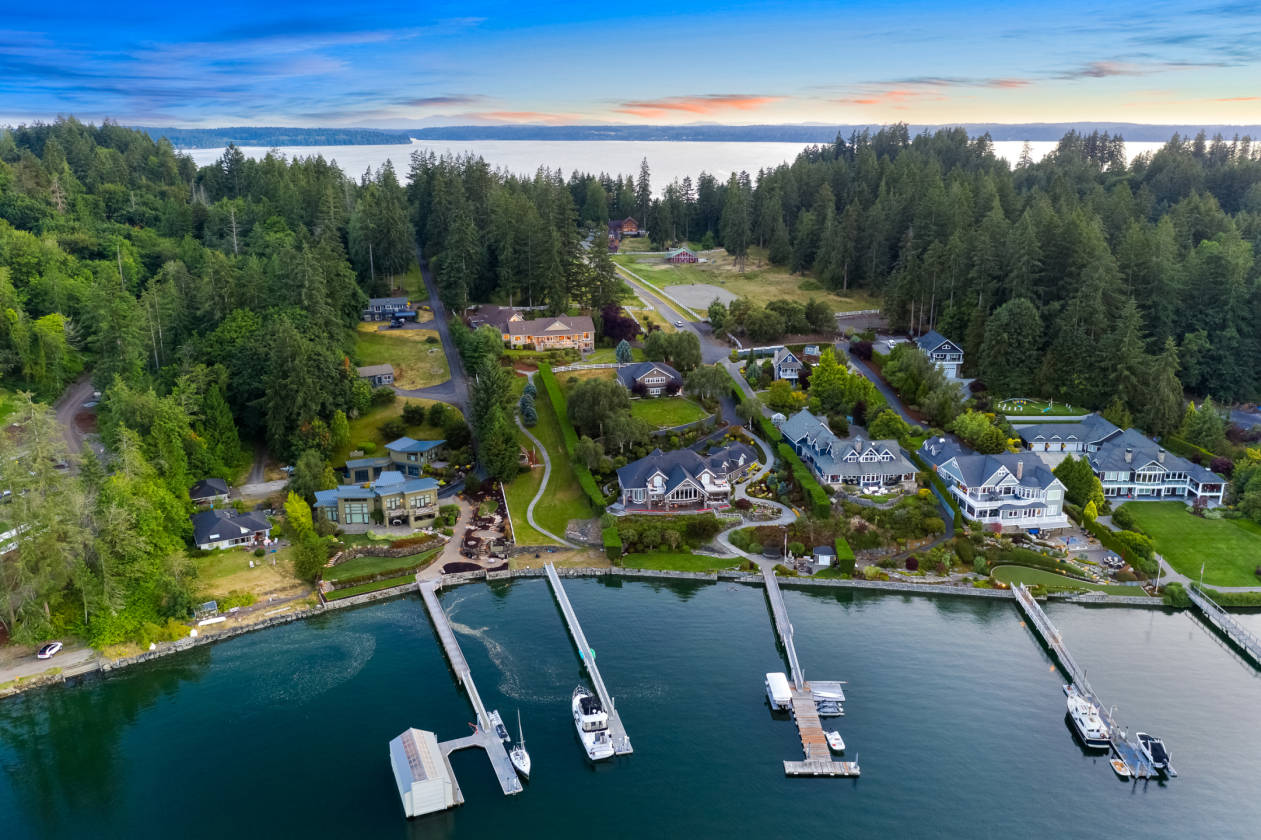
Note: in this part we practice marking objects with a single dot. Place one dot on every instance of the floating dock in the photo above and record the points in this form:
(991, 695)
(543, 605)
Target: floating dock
(804, 705)
(617, 731)
(411, 747)
(1226, 623)
(1127, 751)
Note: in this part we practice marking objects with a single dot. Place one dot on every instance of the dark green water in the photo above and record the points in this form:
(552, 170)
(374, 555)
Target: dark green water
(954, 713)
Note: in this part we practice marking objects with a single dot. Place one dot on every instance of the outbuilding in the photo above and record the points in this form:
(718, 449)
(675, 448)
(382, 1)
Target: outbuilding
(424, 779)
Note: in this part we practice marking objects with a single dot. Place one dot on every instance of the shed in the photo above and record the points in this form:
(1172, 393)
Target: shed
(681, 255)
(378, 375)
(824, 555)
(423, 776)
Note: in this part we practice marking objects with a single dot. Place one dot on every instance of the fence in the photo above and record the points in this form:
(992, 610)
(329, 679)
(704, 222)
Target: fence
(857, 312)
(587, 366)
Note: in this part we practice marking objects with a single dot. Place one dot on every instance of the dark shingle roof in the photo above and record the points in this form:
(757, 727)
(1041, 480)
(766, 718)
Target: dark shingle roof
(208, 488)
(211, 526)
(629, 374)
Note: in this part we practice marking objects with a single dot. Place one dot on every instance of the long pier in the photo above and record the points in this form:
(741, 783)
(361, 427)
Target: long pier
(814, 745)
(1226, 623)
(617, 731)
(1129, 753)
(484, 737)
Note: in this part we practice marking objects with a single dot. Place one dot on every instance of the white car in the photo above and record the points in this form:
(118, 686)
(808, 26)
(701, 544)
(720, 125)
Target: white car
(49, 650)
(678, 323)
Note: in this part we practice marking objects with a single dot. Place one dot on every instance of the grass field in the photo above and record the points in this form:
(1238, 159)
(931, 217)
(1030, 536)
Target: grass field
(1036, 577)
(229, 571)
(666, 412)
(564, 499)
(366, 429)
(608, 355)
(761, 282)
(418, 363)
(1230, 549)
(370, 587)
(524, 487)
(679, 562)
(563, 378)
(1036, 408)
(376, 565)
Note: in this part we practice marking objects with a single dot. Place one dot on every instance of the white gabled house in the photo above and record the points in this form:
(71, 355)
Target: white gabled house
(1013, 490)
(942, 351)
(868, 464)
(786, 365)
(683, 478)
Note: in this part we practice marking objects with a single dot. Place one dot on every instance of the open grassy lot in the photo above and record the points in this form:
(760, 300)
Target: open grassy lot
(667, 412)
(761, 282)
(569, 379)
(1230, 549)
(377, 565)
(608, 355)
(229, 571)
(370, 587)
(524, 487)
(418, 363)
(679, 562)
(366, 429)
(1036, 577)
(564, 499)
(1036, 408)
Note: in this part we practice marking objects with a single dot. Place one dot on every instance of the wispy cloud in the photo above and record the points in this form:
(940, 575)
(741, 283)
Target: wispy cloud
(442, 101)
(704, 104)
(544, 117)
(1238, 99)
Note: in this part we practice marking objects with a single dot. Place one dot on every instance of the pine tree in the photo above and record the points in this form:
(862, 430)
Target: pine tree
(1162, 402)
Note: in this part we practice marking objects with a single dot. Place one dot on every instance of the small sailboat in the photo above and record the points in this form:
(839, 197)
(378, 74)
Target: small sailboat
(835, 741)
(1120, 767)
(520, 758)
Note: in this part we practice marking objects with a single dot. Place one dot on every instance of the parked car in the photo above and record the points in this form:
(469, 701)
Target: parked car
(678, 323)
(49, 650)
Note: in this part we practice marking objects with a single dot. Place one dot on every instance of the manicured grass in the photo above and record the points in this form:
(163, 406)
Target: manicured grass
(1036, 577)
(1036, 408)
(366, 429)
(564, 499)
(1230, 549)
(524, 487)
(370, 587)
(667, 412)
(608, 355)
(377, 565)
(679, 562)
(418, 363)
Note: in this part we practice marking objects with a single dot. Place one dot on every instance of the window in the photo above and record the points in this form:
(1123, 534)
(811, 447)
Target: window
(393, 503)
(331, 513)
(356, 513)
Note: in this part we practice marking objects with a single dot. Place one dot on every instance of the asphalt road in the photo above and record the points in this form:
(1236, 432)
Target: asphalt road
(711, 350)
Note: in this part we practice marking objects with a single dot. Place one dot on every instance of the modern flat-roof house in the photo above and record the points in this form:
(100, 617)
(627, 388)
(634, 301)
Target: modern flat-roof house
(402, 501)
(404, 455)
(1014, 490)
(376, 375)
(786, 364)
(649, 379)
(682, 255)
(683, 478)
(209, 491)
(942, 351)
(868, 464)
(551, 333)
(383, 309)
(1128, 464)
(225, 528)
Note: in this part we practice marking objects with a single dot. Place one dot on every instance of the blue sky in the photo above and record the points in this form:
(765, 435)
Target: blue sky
(646, 62)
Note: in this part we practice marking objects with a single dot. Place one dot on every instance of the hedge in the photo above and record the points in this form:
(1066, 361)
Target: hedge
(612, 543)
(816, 498)
(1124, 546)
(1188, 450)
(844, 556)
(1233, 599)
(940, 485)
(769, 432)
(585, 479)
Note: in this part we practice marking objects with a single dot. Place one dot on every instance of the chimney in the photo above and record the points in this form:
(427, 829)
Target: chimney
(1020, 469)
(1129, 454)
(1160, 456)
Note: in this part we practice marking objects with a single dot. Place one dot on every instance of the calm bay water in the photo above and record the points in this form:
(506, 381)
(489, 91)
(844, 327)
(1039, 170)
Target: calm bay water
(954, 712)
(668, 159)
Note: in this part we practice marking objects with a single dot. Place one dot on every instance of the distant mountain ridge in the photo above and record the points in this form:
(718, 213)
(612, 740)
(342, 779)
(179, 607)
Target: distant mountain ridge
(209, 138)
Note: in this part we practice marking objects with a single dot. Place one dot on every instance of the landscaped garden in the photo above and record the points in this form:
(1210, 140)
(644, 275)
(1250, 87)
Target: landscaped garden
(375, 586)
(367, 428)
(667, 412)
(361, 566)
(1228, 549)
(1053, 581)
(416, 355)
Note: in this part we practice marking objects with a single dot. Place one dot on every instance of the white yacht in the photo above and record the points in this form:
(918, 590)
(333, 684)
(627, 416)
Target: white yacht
(592, 723)
(1087, 720)
(520, 758)
(1154, 749)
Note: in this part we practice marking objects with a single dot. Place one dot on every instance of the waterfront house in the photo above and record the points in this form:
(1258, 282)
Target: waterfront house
(786, 365)
(871, 465)
(943, 352)
(681, 256)
(376, 375)
(393, 499)
(649, 379)
(1011, 490)
(225, 528)
(1071, 438)
(404, 455)
(383, 309)
(209, 491)
(683, 479)
(551, 333)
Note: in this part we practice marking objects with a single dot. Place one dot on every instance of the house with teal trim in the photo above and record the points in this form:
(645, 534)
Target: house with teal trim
(405, 455)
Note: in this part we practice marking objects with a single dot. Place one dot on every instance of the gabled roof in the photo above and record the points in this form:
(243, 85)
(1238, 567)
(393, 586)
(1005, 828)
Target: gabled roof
(783, 355)
(497, 316)
(932, 340)
(831, 455)
(208, 488)
(972, 469)
(628, 375)
(406, 444)
(210, 526)
(1144, 452)
(677, 251)
(559, 325)
(387, 301)
(374, 370)
(680, 465)
(357, 463)
(1092, 429)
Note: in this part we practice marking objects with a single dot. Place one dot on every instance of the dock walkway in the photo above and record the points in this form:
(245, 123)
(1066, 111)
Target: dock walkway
(617, 731)
(783, 626)
(1226, 623)
(484, 738)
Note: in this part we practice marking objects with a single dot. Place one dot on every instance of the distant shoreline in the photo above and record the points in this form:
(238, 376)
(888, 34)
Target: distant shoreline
(210, 138)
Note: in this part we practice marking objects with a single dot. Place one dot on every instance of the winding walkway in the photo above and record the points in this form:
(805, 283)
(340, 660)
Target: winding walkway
(547, 472)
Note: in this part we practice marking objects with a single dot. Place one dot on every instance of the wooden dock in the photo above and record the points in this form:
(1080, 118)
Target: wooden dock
(1226, 623)
(617, 731)
(484, 737)
(783, 626)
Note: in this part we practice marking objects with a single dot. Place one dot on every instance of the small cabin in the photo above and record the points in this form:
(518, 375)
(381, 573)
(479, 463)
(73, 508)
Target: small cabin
(682, 255)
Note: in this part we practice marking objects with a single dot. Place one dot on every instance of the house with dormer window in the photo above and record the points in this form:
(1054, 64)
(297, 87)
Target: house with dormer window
(650, 379)
(870, 465)
(1012, 490)
(786, 365)
(684, 479)
(943, 352)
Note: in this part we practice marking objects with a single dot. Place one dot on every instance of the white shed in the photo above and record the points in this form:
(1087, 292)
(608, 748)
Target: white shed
(423, 776)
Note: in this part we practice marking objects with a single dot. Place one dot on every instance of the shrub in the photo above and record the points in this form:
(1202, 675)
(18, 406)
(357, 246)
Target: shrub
(844, 556)
(414, 414)
(1122, 518)
(612, 543)
(754, 547)
(742, 504)
(393, 428)
(259, 552)
(816, 498)
(912, 563)
(1222, 466)
(796, 549)
(1175, 595)
(383, 396)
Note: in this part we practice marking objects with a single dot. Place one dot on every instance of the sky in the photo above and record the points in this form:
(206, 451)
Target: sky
(388, 64)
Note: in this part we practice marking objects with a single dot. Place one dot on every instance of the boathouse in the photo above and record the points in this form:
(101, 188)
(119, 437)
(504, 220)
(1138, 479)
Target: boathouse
(424, 779)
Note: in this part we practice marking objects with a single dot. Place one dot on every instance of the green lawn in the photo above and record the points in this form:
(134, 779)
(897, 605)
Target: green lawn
(1036, 408)
(666, 412)
(376, 565)
(1230, 549)
(519, 493)
(608, 355)
(366, 429)
(1034, 577)
(679, 562)
(418, 362)
(370, 587)
(564, 499)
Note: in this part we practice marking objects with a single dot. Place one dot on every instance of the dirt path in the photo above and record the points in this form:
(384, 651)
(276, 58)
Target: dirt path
(68, 407)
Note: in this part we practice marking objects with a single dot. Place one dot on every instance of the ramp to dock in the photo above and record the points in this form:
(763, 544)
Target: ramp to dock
(783, 626)
(1226, 623)
(617, 731)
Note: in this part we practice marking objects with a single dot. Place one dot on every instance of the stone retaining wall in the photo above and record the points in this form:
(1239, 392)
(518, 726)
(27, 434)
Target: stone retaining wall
(384, 551)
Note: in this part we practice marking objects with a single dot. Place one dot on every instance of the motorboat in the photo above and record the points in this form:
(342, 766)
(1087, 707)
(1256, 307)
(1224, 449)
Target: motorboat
(835, 741)
(1086, 720)
(1154, 749)
(520, 758)
(592, 723)
(778, 692)
(497, 726)
(1120, 767)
